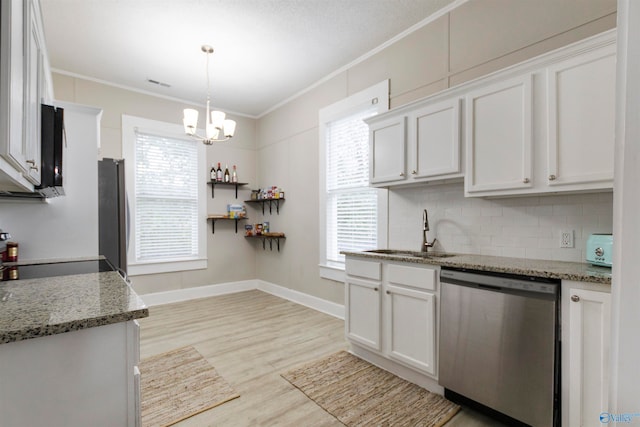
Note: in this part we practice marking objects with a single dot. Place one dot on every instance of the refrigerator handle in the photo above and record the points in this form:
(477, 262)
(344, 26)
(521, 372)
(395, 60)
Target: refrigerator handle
(127, 224)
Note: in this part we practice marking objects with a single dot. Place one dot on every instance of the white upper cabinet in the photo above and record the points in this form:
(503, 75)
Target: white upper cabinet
(387, 150)
(581, 117)
(545, 125)
(12, 143)
(549, 128)
(434, 140)
(416, 143)
(33, 91)
(499, 152)
(25, 83)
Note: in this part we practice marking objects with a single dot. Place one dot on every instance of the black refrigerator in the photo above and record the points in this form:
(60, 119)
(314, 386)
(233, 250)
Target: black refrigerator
(113, 212)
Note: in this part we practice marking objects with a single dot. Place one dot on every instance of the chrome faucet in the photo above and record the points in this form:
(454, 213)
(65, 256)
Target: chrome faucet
(425, 227)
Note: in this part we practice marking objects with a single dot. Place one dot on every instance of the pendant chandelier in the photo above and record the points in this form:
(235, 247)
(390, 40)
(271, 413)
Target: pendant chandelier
(217, 128)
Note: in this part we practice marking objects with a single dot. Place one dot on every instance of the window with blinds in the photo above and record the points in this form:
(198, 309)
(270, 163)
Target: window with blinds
(351, 206)
(166, 193)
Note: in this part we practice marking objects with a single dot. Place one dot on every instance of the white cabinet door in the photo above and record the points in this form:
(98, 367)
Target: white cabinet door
(387, 150)
(12, 147)
(363, 308)
(581, 117)
(588, 332)
(412, 327)
(434, 140)
(498, 132)
(34, 72)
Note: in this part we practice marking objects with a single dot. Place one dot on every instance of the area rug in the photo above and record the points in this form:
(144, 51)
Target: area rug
(358, 393)
(179, 384)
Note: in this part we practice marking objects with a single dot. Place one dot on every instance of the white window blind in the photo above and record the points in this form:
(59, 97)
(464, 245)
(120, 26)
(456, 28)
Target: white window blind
(166, 192)
(352, 207)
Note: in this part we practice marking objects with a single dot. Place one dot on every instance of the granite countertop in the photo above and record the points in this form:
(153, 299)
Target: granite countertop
(34, 308)
(578, 271)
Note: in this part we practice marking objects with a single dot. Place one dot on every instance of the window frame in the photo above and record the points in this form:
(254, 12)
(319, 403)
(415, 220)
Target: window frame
(362, 100)
(131, 124)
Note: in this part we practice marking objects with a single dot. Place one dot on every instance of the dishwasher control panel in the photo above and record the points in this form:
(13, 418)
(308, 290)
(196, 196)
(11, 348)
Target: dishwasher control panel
(496, 282)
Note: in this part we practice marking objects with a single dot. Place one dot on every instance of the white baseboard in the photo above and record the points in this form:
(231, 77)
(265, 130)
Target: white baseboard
(179, 295)
(319, 304)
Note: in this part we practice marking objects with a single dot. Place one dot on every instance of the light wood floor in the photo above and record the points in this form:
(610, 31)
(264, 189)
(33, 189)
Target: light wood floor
(250, 338)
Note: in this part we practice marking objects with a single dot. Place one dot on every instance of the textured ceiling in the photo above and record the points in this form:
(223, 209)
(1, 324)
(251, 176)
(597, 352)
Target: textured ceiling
(265, 50)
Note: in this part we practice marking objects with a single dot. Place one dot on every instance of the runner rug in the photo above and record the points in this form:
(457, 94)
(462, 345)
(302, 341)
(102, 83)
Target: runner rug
(179, 384)
(358, 393)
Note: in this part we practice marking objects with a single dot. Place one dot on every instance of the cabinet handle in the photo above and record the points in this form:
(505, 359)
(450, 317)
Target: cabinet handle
(401, 173)
(575, 298)
(552, 177)
(375, 289)
(526, 180)
(414, 172)
(33, 165)
(388, 292)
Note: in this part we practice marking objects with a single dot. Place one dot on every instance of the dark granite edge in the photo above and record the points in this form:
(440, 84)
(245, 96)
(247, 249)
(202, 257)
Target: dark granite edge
(463, 261)
(76, 325)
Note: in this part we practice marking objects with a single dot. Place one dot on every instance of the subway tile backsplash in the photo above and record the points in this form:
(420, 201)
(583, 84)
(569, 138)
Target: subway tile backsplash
(525, 227)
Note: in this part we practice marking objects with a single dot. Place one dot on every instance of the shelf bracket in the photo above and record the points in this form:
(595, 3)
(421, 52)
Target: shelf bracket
(213, 224)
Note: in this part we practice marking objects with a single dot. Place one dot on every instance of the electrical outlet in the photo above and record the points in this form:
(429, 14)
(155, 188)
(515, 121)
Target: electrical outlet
(566, 239)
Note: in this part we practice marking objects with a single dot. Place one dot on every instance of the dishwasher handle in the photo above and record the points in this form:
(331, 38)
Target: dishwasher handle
(501, 282)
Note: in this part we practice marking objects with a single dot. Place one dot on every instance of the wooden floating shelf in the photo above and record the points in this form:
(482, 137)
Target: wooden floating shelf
(270, 239)
(270, 201)
(225, 184)
(214, 218)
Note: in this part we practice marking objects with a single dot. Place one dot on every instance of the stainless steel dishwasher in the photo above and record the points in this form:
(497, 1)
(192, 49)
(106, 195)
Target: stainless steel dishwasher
(499, 345)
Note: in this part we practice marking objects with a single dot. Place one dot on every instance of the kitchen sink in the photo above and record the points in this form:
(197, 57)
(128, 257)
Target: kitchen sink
(414, 254)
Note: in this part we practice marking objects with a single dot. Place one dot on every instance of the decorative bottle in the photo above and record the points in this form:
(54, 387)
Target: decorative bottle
(227, 177)
(234, 175)
(219, 173)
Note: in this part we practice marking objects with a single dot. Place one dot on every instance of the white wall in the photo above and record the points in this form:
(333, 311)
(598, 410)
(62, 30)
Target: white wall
(64, 226)
(524, 227)
(625, 346)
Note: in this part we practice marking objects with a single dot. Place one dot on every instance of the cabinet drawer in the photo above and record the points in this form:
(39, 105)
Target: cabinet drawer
(417, 277)
(366, 269)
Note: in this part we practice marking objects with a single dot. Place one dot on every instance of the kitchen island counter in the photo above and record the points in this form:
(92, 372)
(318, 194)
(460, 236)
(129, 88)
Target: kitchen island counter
(34, 308)
(575, 271)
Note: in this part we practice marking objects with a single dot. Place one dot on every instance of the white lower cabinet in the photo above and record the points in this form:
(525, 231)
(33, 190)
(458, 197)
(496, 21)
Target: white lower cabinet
(586, 320)
(362, 323)
(395, 316)
(73, 379)
(411, 322)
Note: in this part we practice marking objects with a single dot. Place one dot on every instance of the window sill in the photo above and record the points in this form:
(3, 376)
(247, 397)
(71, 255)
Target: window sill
(165, 267)
(331, 272)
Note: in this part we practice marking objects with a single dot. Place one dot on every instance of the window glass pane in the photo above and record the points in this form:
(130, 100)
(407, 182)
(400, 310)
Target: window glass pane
(351, 217)
(166, 217)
